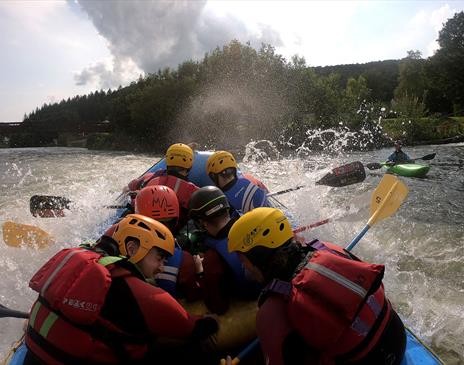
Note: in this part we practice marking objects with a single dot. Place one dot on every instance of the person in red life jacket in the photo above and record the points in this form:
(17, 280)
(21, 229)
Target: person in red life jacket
(179, 277)
(97, 309)
(179, 161)
(321, 304)
(224, 275)
(241, 193)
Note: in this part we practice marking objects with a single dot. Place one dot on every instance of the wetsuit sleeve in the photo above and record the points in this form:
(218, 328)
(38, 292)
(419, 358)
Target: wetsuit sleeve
(134, 184)
(163, 315)
(187, 282)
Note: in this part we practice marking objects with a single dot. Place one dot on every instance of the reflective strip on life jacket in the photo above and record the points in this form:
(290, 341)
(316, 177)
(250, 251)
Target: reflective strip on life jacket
(340, 279)
(58, 268)
(169, 273)
(247, 200)
(177, 185)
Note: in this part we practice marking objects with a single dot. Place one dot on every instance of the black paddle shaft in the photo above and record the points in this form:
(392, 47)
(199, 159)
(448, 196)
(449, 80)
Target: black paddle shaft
(7, 312)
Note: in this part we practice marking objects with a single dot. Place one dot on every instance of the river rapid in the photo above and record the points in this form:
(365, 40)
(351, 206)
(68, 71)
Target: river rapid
(421, 245)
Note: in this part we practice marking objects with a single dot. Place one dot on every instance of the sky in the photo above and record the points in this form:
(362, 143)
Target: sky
(52, 50)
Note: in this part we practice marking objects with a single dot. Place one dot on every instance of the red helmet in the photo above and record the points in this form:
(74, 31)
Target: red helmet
(158, 202)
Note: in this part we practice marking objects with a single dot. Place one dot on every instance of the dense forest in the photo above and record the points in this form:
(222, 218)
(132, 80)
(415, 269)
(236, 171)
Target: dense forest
(236, 94)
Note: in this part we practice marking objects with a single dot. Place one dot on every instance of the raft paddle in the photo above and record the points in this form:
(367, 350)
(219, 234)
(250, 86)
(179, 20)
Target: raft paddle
(340, 176)
(7, 312)
(385, 200)
(50, 206)
(376, 165)
(15, 234)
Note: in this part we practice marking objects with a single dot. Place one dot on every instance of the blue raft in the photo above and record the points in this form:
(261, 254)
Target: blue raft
(417, 353)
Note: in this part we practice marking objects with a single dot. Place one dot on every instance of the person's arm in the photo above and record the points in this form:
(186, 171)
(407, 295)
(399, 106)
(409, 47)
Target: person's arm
(392, 157)
(187, 280)
(407, 158)
(165, 317)
(260, 199)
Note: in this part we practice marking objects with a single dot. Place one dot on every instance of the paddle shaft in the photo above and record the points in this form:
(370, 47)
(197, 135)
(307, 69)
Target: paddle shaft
(310, 226)
(372, 219)
(285, 191)
(7, 312)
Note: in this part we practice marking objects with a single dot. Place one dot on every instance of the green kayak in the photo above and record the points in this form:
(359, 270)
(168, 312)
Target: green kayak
(410, 169)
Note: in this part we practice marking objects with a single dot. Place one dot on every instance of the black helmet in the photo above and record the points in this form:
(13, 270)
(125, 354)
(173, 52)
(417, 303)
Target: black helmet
(207, 202)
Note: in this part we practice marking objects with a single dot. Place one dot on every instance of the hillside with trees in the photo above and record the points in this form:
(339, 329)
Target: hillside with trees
(236, 94)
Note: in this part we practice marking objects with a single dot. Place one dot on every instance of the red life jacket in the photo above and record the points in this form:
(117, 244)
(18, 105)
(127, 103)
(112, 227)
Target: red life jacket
(182, 188)
(65, 326)
(337, 304)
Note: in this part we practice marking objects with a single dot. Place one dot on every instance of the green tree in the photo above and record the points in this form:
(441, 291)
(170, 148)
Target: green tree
(446, 69)
(411, 79)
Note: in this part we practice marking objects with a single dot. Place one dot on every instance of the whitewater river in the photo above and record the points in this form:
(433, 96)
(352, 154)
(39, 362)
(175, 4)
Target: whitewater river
(421, 245)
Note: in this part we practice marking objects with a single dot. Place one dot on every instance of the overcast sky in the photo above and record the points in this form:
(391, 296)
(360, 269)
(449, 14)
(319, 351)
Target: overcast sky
(50, 50)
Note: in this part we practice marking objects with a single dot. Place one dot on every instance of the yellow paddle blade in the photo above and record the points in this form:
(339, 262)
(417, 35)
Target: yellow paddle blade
(16, 234)
(387, 198)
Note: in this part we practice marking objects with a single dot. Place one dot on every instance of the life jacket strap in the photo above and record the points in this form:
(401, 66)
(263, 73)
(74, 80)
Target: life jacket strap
(276, 286)
(342, 359)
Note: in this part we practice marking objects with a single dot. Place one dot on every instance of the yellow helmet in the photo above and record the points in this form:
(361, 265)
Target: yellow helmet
(267, 227)
(149, 232)
(179, 155)
(219, 161)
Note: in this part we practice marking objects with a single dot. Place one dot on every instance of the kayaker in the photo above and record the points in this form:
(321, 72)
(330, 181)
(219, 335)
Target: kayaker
(398, 156)
(241, 193)
(179, 161)
(95, 309)
(224, 274)
(321, 305)
(181, 270)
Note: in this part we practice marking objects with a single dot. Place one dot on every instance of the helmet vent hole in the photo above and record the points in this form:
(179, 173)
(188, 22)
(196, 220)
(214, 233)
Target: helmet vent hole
(220, 162)
(282, 226)
(143, 225)
(160, 235)
(133, 221)
(266, 232)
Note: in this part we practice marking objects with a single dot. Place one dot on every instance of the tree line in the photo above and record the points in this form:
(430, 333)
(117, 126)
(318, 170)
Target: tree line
(237, 93)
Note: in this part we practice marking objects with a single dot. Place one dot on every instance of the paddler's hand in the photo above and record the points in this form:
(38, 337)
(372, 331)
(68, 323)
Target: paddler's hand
(226, 361)
(198, 261)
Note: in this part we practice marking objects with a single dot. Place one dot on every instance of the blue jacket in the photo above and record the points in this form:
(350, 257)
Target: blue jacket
(244, 196)
(399, 157)
(167, 280)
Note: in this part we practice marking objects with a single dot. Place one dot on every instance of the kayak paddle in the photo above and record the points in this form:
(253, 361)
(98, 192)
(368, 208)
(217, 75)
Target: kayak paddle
(376, 165)
(385, 200)
(7, 312)
(15, 234)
